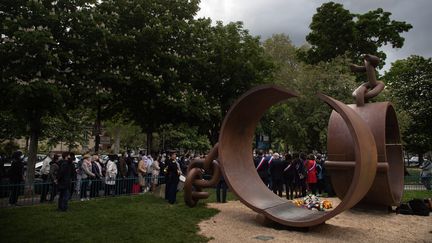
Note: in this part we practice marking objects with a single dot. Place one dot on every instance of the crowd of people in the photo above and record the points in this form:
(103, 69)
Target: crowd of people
(296, 174)
(91, 177)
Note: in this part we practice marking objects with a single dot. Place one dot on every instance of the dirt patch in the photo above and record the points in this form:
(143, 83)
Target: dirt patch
(237, 223)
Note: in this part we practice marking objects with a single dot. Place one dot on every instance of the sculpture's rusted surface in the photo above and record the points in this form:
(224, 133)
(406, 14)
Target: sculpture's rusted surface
(381, 118)
(372, 87)
(364, 152)
(235, 158)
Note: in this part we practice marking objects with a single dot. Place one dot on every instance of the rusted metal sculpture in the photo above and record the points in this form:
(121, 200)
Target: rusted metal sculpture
(359, 156)
(381, 119)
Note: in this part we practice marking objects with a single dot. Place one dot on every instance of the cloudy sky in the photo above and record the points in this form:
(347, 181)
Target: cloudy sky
(292, 17)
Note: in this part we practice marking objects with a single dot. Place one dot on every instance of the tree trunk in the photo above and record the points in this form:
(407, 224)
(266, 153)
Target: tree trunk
(97, 128)
(31, 161)
(117, 140)
(149, 140)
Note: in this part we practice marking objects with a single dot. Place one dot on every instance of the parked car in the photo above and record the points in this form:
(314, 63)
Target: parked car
(413, 160)
(38, 165)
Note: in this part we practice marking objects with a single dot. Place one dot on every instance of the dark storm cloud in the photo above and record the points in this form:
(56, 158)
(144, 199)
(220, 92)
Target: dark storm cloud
(292, 17)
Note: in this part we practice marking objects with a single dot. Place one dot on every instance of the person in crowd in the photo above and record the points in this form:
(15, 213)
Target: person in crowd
(121, 177)
(142, 173)
(221, 190)
(53, 172)
(86, 177)
(132, 172)
(16, 176)
(162, 167)
(183, 162)
(311, 173)
(96, 183)
(2, 167)
(64, 178)
(45, 179)
(320, 174)
(302, 171)
(276, 169)
(155, 168)
(269, 159)
(426, 173)
(172, 174)
(290, 176)
(149, 163)
(110, 174)
(261, 165)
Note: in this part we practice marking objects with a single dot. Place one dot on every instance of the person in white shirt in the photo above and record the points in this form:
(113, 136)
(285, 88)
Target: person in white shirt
(110, 174)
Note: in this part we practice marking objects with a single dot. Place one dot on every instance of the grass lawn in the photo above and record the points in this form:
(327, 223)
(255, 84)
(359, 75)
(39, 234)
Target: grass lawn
(141, 218)
(421, 194)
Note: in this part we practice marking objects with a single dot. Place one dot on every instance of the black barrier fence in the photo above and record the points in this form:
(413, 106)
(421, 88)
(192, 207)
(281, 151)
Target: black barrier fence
(82, 190)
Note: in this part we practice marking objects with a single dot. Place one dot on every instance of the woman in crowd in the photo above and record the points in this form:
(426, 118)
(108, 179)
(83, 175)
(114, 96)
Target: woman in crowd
(155, 173)
(311, 173)
(110, 174)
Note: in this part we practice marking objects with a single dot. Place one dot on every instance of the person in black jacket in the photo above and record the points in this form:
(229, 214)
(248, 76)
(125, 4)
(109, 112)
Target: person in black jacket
(172, 173)
(16, 176)
(261, 165)
(277, 167)
(64, 178)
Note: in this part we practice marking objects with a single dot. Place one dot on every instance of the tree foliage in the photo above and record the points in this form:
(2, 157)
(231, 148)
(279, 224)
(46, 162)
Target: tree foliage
(301, 123)
(336, 31)
(410, 84)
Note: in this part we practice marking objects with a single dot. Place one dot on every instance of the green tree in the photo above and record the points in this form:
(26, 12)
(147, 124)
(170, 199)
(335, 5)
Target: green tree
(148, 43)
(410, 85)
(231, 63)
(336, 32)
(35, 63)
(183, 136)
(301, 123)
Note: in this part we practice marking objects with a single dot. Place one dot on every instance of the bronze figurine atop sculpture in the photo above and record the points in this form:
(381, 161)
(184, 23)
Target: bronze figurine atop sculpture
(364, 154)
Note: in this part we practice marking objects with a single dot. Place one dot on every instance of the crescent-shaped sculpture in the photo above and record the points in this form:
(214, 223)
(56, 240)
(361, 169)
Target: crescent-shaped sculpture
(234, 153)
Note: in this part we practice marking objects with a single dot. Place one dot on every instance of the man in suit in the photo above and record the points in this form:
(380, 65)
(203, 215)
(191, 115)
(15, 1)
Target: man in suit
(261, 165)
(277, 167)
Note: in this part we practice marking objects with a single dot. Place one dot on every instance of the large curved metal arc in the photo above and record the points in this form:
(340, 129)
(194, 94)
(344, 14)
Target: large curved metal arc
(365, 150)
(235, 150)
(235, 157)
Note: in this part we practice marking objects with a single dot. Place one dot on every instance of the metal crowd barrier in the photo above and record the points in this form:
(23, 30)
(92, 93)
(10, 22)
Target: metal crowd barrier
(47, 192)
(98, 189)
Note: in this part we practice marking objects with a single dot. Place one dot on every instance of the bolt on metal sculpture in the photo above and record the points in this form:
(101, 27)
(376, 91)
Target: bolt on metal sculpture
(363, 149)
